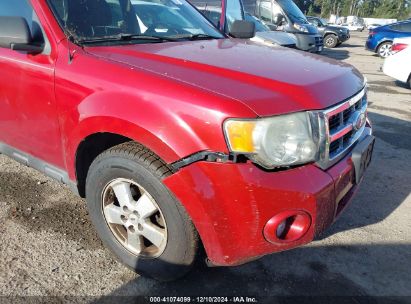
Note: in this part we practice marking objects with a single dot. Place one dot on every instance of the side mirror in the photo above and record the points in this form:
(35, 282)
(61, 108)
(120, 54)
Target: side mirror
(278, 19)
(15, 34)
(242, 29)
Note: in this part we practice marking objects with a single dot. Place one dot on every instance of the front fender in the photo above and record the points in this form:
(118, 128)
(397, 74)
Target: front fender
(170, 132)
(172, 118)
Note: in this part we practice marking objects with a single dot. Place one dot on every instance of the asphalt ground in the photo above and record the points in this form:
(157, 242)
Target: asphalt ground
(48, 246)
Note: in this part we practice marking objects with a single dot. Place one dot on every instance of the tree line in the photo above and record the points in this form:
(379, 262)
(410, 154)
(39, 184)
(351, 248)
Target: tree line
(390, 9)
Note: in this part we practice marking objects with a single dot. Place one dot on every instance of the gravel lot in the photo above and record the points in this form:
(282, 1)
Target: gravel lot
(48, 246)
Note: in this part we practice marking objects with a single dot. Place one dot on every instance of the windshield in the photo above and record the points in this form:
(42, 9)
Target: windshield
(292, 11)
(323, 21)
(259, 26)
(131, 21)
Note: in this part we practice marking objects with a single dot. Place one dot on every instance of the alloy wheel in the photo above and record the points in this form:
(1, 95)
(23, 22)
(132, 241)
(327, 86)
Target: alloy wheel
(385, 50)
(134, 218)
(329, 41)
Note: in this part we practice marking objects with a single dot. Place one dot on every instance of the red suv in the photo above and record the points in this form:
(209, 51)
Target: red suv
(176, 134)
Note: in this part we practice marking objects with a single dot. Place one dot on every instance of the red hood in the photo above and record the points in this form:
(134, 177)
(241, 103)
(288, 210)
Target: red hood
(269, 80)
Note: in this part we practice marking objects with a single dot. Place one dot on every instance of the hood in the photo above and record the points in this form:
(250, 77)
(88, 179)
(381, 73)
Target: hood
(269, 80)
(279, 38)
(336, 28)
(311, 28)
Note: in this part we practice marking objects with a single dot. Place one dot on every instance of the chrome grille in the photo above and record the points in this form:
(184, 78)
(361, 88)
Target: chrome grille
(342, 126)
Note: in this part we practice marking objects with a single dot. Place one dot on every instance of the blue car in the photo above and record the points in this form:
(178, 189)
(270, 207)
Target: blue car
(380, 38)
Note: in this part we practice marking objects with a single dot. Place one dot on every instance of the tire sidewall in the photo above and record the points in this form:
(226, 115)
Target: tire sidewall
(175, 257)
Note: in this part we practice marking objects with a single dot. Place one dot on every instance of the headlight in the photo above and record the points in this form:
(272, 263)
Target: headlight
(280, 141)
(300, 27)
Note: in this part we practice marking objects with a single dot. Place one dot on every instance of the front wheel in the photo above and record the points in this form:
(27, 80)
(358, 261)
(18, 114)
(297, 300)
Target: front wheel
(136, 216)
(385, 49)
(330, 41)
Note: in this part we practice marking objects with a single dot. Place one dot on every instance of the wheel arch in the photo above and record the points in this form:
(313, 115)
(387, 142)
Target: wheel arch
(381, 42)
(327, 33)
(88, 150)
(98, 134)
(100, 122)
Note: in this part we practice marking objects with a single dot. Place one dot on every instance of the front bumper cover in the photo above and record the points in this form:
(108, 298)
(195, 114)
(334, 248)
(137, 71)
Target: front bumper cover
(230, 203)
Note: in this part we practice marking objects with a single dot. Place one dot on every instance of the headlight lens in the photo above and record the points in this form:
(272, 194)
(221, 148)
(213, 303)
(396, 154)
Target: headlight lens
(300, 27)
(284, 140)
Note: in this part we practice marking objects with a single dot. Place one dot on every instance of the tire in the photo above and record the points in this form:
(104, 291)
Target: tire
(330, 41)
(136, 216)
(384, 49)
(409, 82)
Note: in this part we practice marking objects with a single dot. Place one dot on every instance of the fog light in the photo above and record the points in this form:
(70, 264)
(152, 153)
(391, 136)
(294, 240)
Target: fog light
(287, 226)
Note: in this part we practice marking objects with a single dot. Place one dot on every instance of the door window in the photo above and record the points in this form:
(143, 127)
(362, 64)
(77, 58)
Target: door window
(210, 8)
(265, 11)
(406, 27)
(22, 8)
(401, 27)
(234, 12)
(250, 6)
(314, 22)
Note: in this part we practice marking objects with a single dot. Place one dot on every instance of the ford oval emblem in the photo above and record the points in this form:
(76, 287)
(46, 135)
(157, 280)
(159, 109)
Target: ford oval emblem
(358, 121)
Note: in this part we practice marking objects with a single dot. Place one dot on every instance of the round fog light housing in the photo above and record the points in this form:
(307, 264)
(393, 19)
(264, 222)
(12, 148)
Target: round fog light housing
(287, 226)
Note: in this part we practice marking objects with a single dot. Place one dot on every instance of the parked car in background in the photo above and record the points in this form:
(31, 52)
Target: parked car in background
(284, 15)
(333, 35)
(353, 27)
(179, 137)
(212, 9)
(265, 35)
(159, 19)
(380, 38)
(373, 26)
(398, 65)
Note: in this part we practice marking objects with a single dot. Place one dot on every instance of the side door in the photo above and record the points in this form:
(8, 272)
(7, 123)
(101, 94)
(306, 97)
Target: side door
(29, 128)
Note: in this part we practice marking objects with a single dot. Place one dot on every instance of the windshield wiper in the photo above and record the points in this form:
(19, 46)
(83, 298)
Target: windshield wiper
(199, 37)
(125, 37)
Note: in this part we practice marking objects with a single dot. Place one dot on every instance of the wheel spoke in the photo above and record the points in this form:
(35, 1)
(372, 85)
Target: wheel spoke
(153, 233)
(122, 191)
(135, 241)
(135, 223)
(145, 206)
(113, 214)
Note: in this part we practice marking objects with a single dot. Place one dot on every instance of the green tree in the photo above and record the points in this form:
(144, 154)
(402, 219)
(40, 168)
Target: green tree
(393, 9)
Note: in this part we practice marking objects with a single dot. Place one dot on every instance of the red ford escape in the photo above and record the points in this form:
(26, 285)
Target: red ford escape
(177, 135)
